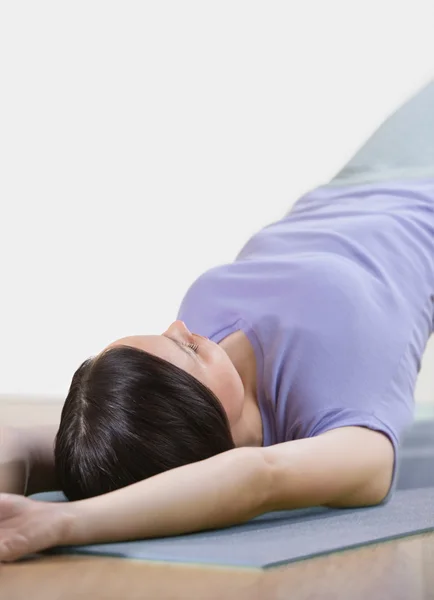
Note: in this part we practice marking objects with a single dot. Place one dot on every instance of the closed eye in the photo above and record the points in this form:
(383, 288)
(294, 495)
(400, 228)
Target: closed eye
(184, 346)
(194, 347)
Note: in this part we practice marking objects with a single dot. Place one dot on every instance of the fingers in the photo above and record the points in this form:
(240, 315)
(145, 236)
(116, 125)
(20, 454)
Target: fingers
(12, 548)
(28, 526)
(13, 544)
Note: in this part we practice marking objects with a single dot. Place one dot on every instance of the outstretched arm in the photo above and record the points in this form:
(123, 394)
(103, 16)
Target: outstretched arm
(27, 459)
(350, 466)
(14, 462)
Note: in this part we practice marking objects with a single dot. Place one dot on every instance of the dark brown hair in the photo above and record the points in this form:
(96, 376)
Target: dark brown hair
(130, 415)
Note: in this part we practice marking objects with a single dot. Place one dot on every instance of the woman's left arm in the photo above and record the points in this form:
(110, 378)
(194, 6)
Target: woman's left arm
(350, 466)
(27, 459)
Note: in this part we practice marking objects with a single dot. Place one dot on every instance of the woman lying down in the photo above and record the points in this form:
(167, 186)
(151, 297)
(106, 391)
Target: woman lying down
(286, 381)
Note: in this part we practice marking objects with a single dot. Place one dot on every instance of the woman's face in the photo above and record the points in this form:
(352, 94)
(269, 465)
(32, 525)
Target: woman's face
(206, 360)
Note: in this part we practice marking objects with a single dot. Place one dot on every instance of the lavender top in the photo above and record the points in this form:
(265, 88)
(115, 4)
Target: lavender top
(337, 300)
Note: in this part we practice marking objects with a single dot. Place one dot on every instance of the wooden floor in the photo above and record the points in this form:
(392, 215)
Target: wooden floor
(400, 569)
(397, 570)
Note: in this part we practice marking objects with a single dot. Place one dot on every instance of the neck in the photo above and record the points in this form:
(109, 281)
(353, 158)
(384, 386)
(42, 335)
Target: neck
(247, 431)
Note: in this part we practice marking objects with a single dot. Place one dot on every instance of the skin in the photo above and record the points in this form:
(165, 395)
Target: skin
(228, 369)
(345, 467)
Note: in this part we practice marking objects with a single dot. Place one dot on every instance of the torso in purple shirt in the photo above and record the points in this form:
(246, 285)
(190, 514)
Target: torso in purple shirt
(337, 301)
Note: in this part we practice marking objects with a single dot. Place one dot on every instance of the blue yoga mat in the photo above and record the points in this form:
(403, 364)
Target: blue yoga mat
(282, 537)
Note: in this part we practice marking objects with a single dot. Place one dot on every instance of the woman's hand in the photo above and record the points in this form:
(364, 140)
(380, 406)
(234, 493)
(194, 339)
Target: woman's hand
(28, 526)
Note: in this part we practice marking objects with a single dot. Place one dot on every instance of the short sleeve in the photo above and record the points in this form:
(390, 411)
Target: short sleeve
(355, 360)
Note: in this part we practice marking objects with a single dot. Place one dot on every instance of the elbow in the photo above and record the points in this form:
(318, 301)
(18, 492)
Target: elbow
(263, 481)
(254, 478)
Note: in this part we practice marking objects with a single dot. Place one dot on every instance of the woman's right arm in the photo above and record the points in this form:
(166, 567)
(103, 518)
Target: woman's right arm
(345, 467)
(27, 459)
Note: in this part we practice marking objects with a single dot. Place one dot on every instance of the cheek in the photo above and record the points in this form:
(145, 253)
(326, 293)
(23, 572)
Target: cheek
(220, 375)
(227, 386)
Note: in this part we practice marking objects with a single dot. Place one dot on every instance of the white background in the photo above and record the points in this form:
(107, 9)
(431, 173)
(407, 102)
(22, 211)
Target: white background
(142, 143)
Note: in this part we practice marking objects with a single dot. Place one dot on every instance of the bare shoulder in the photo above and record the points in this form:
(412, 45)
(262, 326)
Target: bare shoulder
(347, 466)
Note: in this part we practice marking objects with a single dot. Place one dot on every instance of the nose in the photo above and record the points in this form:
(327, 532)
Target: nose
(181, 325)
(186, 330)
